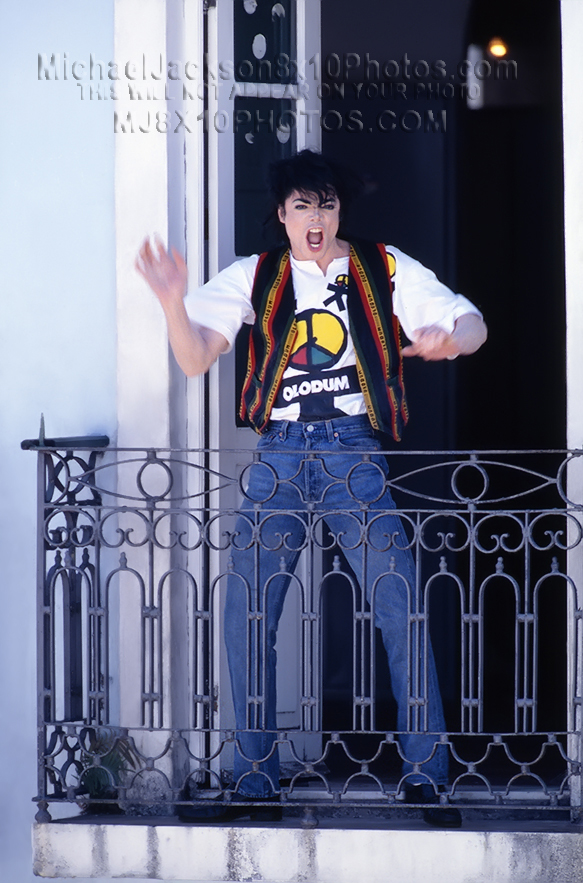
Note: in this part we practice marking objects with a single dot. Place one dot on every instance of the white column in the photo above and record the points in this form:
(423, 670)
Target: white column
(309, 108)
(143, 381)
(140, 209)
(572, 34)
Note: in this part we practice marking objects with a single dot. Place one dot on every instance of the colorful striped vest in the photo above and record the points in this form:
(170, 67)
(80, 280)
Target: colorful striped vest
(373, 327)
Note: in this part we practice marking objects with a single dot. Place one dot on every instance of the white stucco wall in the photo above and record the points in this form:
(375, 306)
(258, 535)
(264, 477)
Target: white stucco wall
(57, 332)
(572, 33)
(57, 328)
(292, 855)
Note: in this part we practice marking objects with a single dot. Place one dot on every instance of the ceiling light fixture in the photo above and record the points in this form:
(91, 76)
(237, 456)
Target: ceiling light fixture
(497, 47)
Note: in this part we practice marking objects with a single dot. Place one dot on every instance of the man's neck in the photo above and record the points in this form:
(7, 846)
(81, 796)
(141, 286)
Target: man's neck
(340, 249)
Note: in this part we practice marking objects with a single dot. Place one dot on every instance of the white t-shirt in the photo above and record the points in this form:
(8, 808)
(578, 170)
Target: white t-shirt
(320, 379)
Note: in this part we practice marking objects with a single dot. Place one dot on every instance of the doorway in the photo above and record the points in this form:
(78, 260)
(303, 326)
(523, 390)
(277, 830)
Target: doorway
(474, 190)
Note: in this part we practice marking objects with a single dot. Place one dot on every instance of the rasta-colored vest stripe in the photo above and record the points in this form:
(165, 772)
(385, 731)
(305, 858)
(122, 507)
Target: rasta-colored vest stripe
(373, 327)
(271, 337)
(375, 334)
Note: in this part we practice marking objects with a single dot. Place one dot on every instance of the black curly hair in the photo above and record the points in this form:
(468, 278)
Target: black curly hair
(310, 173)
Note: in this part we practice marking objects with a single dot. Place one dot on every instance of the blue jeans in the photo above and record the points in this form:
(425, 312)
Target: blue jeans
(305, 472)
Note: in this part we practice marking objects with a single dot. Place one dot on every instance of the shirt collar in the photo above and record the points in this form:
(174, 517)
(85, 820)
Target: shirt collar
(312, 268)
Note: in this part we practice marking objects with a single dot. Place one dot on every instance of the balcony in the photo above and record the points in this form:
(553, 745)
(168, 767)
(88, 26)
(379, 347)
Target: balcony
(135, 716)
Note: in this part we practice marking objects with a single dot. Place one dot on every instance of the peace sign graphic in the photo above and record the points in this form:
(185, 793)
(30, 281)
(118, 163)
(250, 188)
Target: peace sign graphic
(320, 342)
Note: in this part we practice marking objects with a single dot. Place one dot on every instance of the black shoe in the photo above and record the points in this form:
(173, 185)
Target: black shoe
(260, 809)
(202, 813)
(438, 815)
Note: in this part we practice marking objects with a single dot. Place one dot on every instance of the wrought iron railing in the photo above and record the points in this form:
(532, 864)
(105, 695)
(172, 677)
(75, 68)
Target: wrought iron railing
(135, 551)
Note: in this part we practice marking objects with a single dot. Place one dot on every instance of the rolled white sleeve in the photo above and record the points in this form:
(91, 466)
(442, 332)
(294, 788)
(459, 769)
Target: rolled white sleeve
(224, 302)
(420, 299)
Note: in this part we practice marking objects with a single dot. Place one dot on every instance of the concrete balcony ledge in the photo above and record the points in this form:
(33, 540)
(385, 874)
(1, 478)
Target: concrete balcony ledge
(407, 853)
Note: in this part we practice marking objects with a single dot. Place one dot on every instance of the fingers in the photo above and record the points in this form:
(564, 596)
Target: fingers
(178, 260)
(145, 257)
(164, 272)
(425, 341)
(156, 254)
(156, 259)
(431, 344)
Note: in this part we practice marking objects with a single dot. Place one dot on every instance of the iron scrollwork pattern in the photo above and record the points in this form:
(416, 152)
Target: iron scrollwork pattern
(134, 702)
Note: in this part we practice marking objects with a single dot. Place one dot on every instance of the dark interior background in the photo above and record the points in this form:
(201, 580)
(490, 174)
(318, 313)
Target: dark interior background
(481, 205)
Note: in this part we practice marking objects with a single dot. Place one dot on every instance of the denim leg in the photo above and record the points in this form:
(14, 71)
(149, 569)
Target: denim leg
(267, 539)
(374, 542)
(390, 594)
(352, 495)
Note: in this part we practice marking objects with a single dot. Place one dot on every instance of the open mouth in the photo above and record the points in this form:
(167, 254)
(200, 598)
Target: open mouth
(315, 237)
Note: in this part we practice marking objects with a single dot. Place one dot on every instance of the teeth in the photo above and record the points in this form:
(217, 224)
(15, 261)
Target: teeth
(315, 237)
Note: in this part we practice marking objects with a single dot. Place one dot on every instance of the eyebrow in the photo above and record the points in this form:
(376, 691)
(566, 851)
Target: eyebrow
(320, 201)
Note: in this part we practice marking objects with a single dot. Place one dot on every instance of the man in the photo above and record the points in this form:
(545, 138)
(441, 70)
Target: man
(324, 376)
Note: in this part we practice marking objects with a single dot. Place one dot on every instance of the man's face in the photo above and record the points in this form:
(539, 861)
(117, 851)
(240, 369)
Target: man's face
(311, 224)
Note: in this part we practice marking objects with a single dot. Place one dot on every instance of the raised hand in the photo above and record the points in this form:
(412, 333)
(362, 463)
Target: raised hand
(194, 346)
(165, 273)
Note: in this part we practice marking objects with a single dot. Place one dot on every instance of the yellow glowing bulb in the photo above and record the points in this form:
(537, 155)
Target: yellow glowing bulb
(497, 47)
